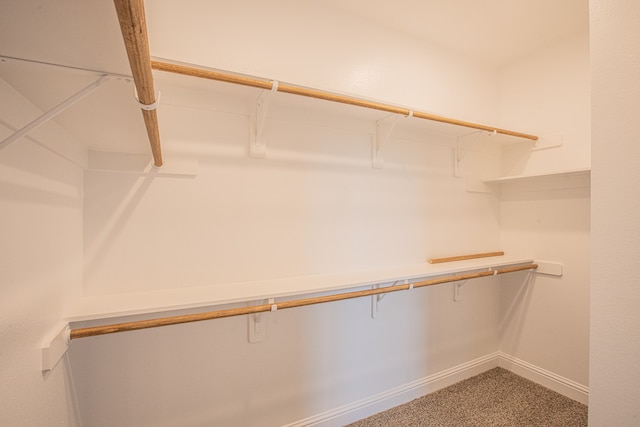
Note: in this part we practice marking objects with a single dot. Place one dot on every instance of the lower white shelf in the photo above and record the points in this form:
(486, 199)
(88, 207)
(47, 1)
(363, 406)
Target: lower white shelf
(103, 309)
(129, 304)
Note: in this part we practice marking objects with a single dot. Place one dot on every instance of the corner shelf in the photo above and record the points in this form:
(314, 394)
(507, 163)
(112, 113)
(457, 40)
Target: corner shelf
(570, 173)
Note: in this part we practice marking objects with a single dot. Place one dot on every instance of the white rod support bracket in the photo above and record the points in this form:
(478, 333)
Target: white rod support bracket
(375, 303)
(256, 325)
(55, 348)
(457, 160)
(384, 127)
(461, 151)
(45, 117)
(377, 298)
(457, 293)
(257, 328)
(257, 119)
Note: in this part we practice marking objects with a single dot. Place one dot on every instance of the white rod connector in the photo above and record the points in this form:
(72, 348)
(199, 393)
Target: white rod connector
(147, 107)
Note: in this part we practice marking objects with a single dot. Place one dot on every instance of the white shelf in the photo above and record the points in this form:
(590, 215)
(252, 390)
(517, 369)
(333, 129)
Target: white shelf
(515, 178)
(110, 306)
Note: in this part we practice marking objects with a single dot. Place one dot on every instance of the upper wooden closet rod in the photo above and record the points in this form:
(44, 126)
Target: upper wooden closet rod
(190, 70)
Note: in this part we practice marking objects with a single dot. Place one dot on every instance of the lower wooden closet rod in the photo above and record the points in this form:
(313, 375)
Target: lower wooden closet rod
(218, 314)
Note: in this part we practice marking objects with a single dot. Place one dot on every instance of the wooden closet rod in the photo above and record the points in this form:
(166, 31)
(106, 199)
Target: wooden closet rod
(133, 25)
(193, 71)
(218, 314)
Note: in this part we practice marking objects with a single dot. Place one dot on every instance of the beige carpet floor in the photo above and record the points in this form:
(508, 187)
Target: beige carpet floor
(493, 398)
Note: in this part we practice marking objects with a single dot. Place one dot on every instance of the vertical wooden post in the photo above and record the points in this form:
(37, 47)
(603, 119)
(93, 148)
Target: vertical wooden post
(134, 33)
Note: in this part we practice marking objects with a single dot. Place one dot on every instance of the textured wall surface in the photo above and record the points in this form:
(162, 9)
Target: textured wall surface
(615, 319)
(41, 264)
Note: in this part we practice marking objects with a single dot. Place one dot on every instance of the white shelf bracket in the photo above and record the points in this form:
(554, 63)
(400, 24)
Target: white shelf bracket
(257, 119)
(461, 151)
(377, 299)
(384, 127)
(375, 303)
(54, 349)
(257, 328)
(257, 323)
(457, 293)
(45, 117)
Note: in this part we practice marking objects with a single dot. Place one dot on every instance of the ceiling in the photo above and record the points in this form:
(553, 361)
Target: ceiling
(86, 34)
(495, 31)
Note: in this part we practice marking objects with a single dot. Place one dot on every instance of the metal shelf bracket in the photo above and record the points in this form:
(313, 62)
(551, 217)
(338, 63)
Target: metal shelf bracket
(384, 127)
(257, 120)
(45, 117)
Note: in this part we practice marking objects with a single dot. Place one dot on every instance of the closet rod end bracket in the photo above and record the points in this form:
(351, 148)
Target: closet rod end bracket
(54, 348)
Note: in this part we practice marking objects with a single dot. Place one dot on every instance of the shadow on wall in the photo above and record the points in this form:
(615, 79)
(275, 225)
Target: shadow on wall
(71, 391)
(515, 296)
(128, 195)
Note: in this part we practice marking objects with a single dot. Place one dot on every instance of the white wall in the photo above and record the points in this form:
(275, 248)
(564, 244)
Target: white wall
(309, 44)
(313, 206)
(548, 92)
(546, 323)
(330, 199)
(40, 260)
(615, 319)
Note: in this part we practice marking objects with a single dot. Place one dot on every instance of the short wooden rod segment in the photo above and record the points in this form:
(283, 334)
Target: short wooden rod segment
(318, 94)
(463, 257)
(218, 314)
(133, 25)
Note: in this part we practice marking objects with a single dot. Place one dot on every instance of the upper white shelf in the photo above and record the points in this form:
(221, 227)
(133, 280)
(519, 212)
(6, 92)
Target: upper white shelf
(128, 304)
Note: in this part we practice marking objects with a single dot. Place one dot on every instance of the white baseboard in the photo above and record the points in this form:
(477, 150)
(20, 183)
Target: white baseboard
(405, 393)
(397, 396)
(557, 383)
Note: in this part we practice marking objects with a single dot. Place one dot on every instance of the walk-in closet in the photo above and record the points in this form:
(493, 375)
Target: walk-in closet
(305, 213)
